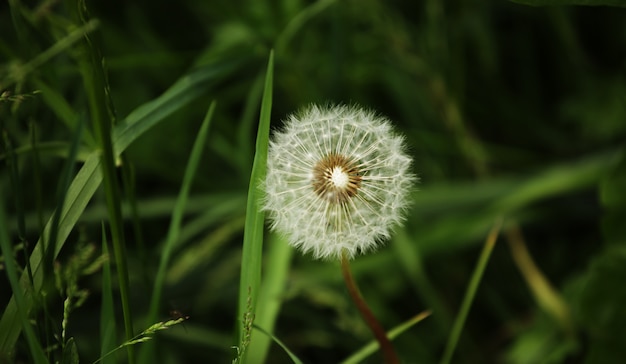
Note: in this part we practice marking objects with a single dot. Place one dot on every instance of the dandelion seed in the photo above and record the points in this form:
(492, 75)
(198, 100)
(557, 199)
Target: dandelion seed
(337, 181)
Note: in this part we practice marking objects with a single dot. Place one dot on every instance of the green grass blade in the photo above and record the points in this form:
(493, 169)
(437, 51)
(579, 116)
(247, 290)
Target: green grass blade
(453, 339)
(50, 246)
(16, 187)
(25, 69)
(107, 312)
(292, 356)
(52, 148)
(22, 313)
(62, 109)
(271, 296)
(298, 22)
(411, 259)
(94, 80)
(372, 346)
(78, 195)
(246, 127)
(186, 89)
(557, 180)
(250, 283)
(130, 195)
(89, 177)
(173, 233)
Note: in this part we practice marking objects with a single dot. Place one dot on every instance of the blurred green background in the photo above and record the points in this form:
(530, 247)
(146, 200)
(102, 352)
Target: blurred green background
(509, 111)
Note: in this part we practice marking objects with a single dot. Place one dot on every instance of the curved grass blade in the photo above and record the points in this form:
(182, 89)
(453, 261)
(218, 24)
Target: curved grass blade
(293, 357)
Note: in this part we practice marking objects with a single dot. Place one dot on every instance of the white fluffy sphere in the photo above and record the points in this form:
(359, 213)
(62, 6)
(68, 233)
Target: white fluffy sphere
(338, 180)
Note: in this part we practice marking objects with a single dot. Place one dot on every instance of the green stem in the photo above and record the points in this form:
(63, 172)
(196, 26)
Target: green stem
(379, 333)
(453, 339)
(95, 82)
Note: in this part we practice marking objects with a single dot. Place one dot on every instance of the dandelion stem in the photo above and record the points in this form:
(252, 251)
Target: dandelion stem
(379, 333)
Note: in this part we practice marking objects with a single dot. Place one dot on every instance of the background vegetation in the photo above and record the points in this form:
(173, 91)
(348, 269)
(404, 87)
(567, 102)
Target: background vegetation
(512, 112)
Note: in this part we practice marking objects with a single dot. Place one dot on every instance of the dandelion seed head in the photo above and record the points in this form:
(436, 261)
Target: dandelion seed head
(337, 179)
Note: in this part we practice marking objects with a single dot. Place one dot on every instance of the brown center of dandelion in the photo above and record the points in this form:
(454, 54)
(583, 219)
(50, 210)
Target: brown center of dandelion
(336, 178)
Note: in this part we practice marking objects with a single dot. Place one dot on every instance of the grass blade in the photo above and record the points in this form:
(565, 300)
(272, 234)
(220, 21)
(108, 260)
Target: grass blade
(173, 233)
(372, 346)
(186, 89)
(292, 356)
(271, 295)
(107, 313)
(253, 232)
(22, 313)
(94, 80)
(471, 292)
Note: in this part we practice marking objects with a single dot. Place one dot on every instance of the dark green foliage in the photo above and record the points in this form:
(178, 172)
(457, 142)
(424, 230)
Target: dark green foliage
(510, 111)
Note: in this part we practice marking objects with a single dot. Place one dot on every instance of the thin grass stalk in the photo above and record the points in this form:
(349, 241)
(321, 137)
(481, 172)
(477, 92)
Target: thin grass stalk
(411, 257)
(361, 355)
(389, 353)
(95, 85)
(545, 294)
(16, 187)
(107, 312)
(19, 207)
(129, 182)
(455, 334)
(56, 49)
(36, 351)
(173, 233)
(37, 183)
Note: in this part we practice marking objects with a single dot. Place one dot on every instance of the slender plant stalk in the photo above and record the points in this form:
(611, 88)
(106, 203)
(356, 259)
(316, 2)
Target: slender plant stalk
(545, 294)
(379, 333)
(11, 269)
(95, 83)
(453, 339)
